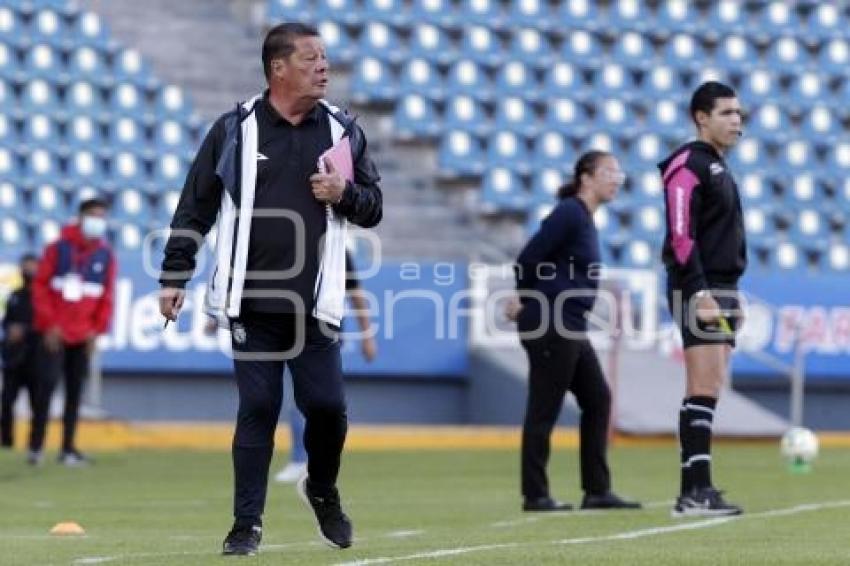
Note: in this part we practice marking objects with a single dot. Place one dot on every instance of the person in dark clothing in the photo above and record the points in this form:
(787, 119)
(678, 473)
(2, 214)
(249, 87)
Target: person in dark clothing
(20, 342)
(72, 300)
(705, 255)
(557, 279)
(282, 205)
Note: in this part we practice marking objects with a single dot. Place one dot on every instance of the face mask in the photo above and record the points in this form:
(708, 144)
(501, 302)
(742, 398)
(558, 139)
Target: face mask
(93, 227)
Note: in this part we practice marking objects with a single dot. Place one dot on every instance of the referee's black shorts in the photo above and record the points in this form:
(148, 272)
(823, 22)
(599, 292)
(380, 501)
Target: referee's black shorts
(697, 333)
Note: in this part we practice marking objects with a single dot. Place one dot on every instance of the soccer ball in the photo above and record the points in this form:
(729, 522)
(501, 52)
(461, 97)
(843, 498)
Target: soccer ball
(800, 445)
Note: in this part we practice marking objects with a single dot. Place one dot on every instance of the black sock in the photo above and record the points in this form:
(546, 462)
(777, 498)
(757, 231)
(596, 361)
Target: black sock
(698, 417)
(686, 483)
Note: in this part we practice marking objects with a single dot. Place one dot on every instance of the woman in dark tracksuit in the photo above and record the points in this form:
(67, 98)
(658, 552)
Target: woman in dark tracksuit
(557, 279)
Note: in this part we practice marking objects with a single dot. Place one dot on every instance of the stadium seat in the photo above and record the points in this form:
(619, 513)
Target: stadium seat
(568, 117)
(614, 80)
(669, 119)
(128, 237)
(826, 22)
(515, 115)
(775, 19)
(507, 148)
(532, 48)
(90, 30)
(551, 150)
(83, 97)
(170, 171)
(373, 81)
(726, 16)
(41, 166)
(430, 42)
(796, 155)
(12, 29)
(515, 78)
(279, 11)
(581, 48)
(758, 87)
(8, 100)
(787, 54)
(341, 49)
(634, 50)
(769, 121)
(87, 63)
(648, 221)
(600, 140)
(380, 41)
(40, 130)
(801, 189)
(9, 168)
(754, 188)
(126, 134)
(47, 26)
(646, 151)
(391, 12)
(418, 76)
(661, 81)
(581, 15)
(545, 183)
(834, 57)
(346, 12)
(466, 77)
(8, 135)
(807, 89)
(629, 15)
(171, 103)
(13, 237)
(486, 13)
(127, 100)
(564, 79)
(482, 46)
(83, 132)
(460, 154)
(502, 190)
(647, 183)
(465, 113)
(46, 232)
(838, 258)
(736, 53)
(415, 117)
(129, 205)
(747, 154)
(638, 253)
(170, 135)
(127, 170)
(839, 159)
(808, 225)
(129, 67)
(84, 169)
(675, 16)
(614, 116)
(683, 51)
(44, 62)
(10, 199)
(821, 125)
(535, 14)
(49, 202)
(441, 13)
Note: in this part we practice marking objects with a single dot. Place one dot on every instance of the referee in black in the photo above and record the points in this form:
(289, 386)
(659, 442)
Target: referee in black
(557, 277)
(705, 254)
(278, 281)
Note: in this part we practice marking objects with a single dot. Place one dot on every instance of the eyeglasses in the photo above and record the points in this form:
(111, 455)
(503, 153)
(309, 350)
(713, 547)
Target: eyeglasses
(610, 174)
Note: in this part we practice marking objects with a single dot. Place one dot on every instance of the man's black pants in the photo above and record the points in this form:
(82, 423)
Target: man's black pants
(22, 375)
(558, 365)
(262, 343)
(72, 362)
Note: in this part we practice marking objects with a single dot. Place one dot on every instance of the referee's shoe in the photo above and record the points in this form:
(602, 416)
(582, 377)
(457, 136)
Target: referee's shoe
(243, 540)
(334, 526)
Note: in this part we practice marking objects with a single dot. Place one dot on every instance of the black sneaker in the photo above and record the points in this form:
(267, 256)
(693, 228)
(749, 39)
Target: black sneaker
(334, 526)
(607, 500)
(74, 459)
(704, 502)
(243, 541)
(545, 504)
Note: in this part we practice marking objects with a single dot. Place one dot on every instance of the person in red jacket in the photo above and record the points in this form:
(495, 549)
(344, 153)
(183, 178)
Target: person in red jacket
(72, 301)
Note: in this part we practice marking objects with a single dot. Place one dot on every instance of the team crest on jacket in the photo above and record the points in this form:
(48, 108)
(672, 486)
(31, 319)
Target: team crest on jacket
(239, 333)
(715, 168)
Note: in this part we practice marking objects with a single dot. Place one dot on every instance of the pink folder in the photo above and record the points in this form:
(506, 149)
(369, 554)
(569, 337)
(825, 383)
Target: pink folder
(340, 156)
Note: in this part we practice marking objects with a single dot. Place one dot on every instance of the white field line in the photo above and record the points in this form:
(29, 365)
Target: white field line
(625, 535)
(561, 514)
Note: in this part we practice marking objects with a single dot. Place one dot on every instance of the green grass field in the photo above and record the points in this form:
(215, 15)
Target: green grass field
(426, 508)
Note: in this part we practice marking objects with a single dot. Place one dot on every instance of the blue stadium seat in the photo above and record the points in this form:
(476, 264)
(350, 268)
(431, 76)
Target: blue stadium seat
(38, 96)
(759, 86)
(536, 215)
(646, 182)
(614, 80)
(515, 78)
(373, 81)
(83, 98)
(776, 19)
(638, 253)
(545, 183)
(128, 237)
(279, 11)
(564, 79)
(795, 155)
(532, 48)
(536, 14)
(705, 73)
(430, 42)
(44, 62)
(460, 153)
(127, 100)
(786, 53)
(465, 113)
(415, 117)
(10, 199)
(39, 130)
(807, 89)
(130, 205)
(755, 188)
(420, 77)
(726, 16)
(748, 153)
(645, 151)
(634, 50)
(599, 140)
(669, 119)
(170, 171)
(170, 136)
(84, 168)
(12, 29)
(340, 46)
(129, 67)
(825, 22)
(390, 12)
(582, 48)
(502, 190)
(736, 53)
(90, 30)
(507, 148)
(49, 202)
(48, 26)
(614, 116)
(347, 12)
(441, 13)
(41, 166)
(9, 168)
(13, 237)
(166, 204)
(661, 81)
(580, 14)
(839, 159)
(676, 16)
(466, 77)
(87, 63)
(821, 125)
(834, 57)
(46, 232)
(769, 121)
(8, 101)
(684, 51)
(632, 15)
(515, 115)
(551, 149)
(800, 190)
(8, 135)
(838, 258)
(787, 257)
(380, 41)
(648, 221)
(567, 116)
(127, 170)
(171, 102)
(487, 13)
(482, 46)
